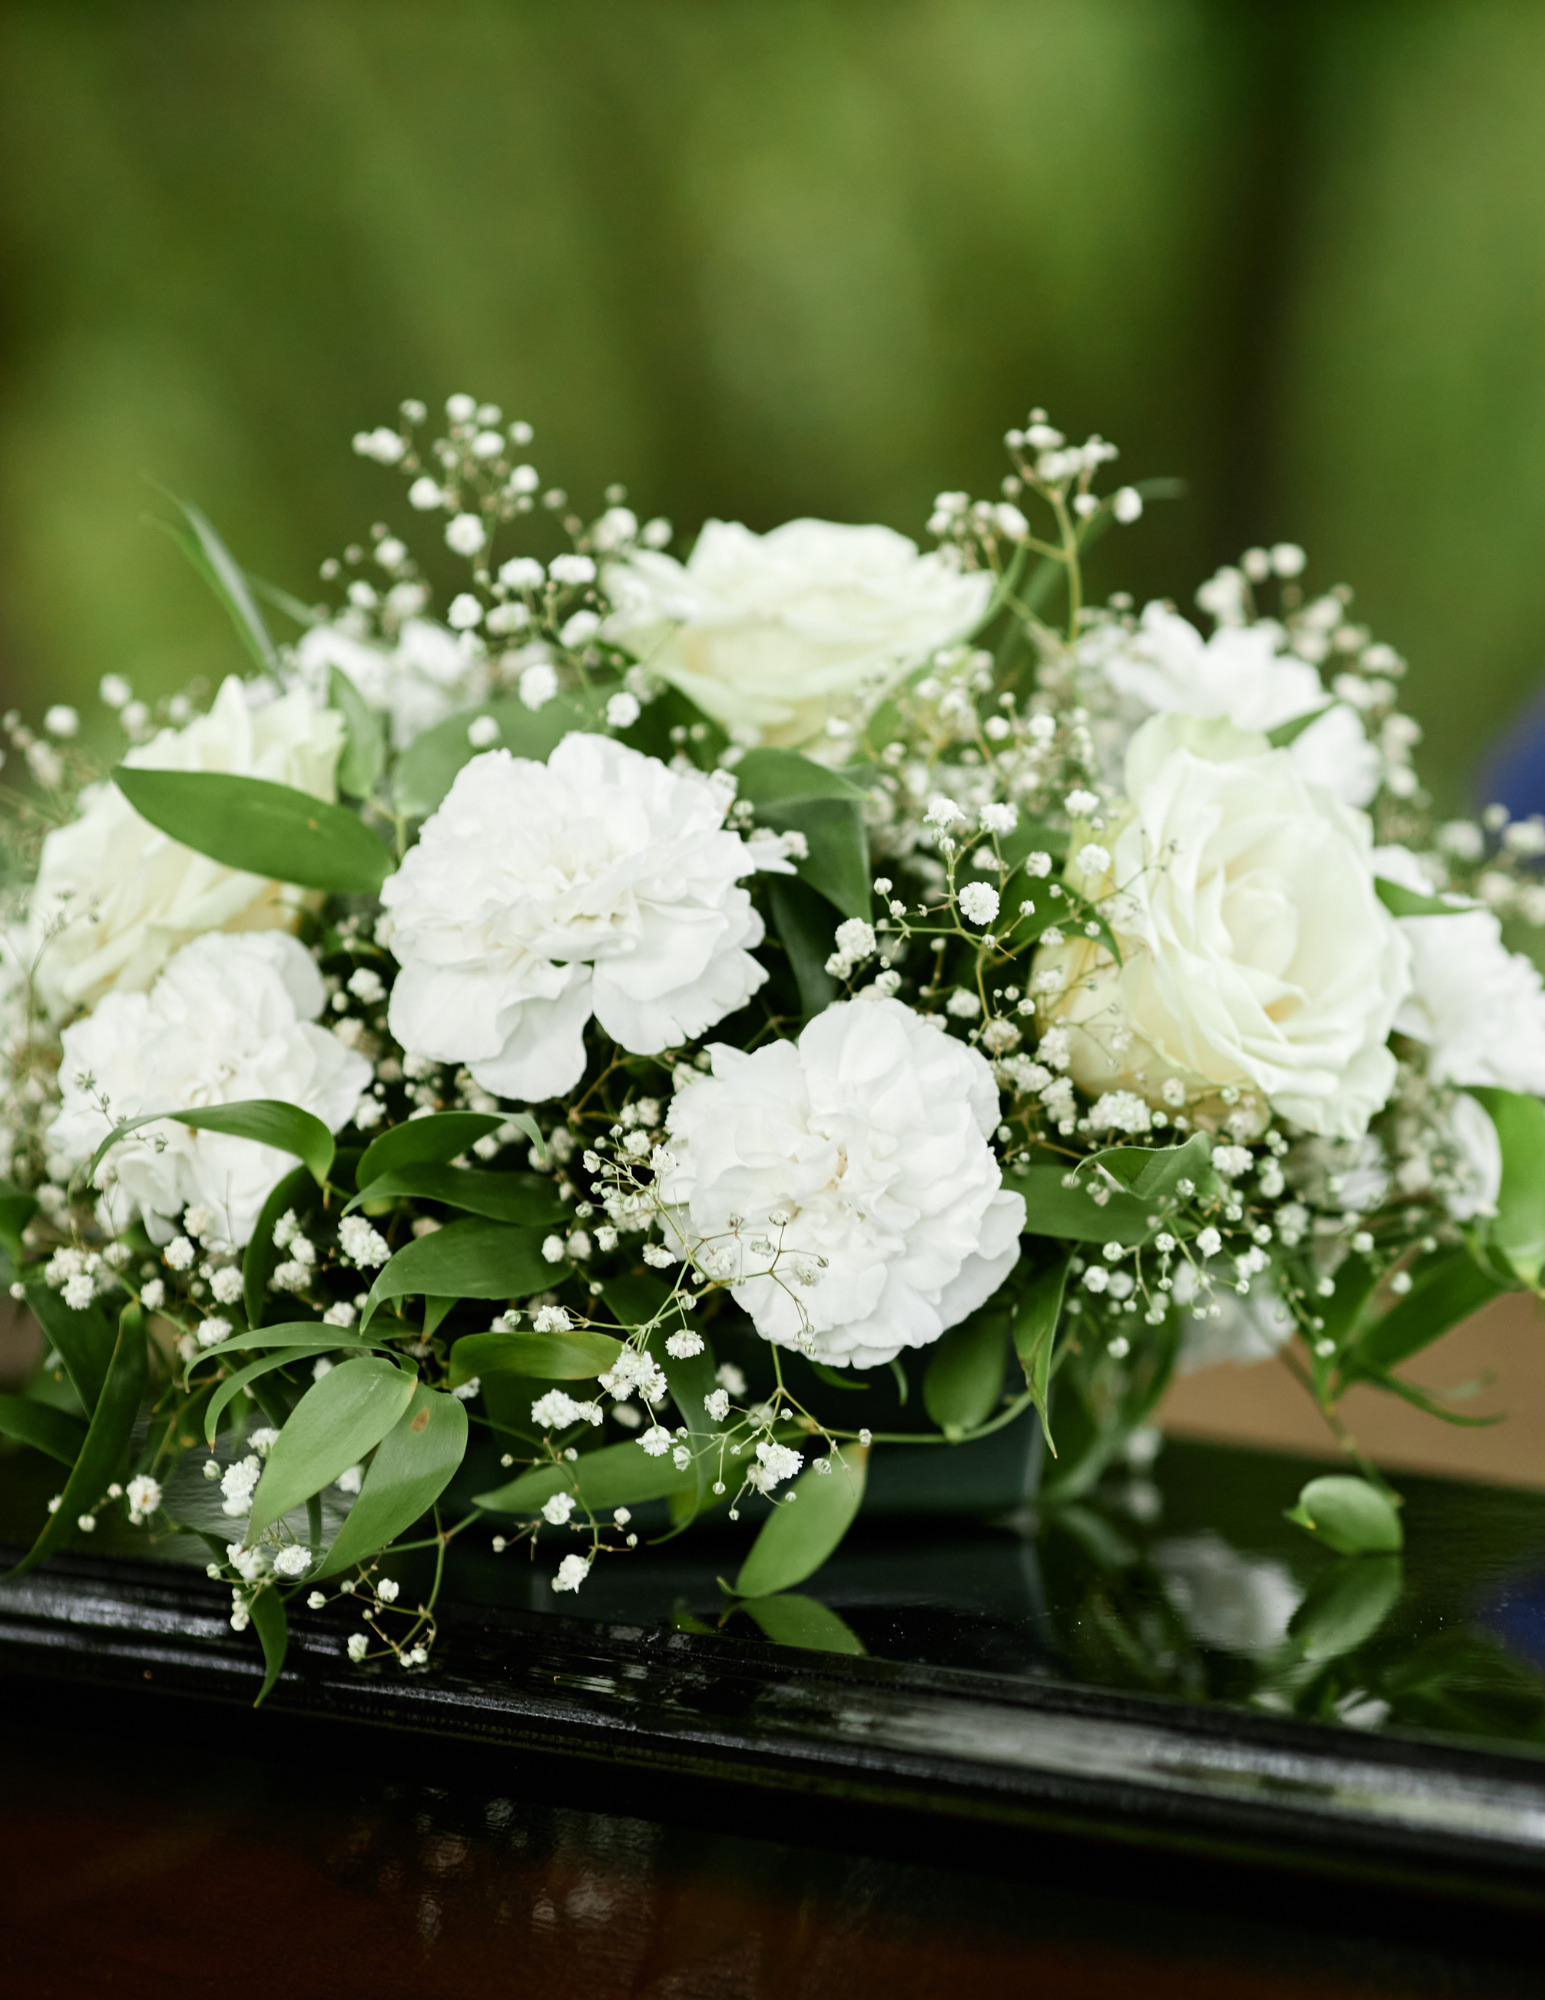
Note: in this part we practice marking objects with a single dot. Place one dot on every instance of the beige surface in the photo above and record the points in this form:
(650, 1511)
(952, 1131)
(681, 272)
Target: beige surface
(1502, 1348)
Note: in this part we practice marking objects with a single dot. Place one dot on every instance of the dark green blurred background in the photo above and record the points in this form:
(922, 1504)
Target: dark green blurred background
(768, 257)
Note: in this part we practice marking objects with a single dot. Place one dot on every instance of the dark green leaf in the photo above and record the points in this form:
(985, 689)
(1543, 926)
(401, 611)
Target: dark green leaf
(1420, 1400)
(1153, 1173)
(1348, 1515)
(16, 1211)
(465, 1260)
(427, 769)
(637, 1300)
(331, 1428)
(273, 1629)
(293, 1333)
(1036, 1318)
(1073, 1213)
(1345, 1606)
(618, 1475)
(42, 1426)
(85, 1339)
(791, 1620)
(412, 1466)
(1403, 902)
(558, 1357)
(298, 1191)
(363, 758)
(531, 1199)
(803, 921)
(770, 777)
(265, 1120)
(1447, 1289)
(791, 793)
(234, 1385)
(833, 1380)
(260, 827)
(806, 1525)
(965, 1371)
(107, 1439)
(444, 1135)
(225, 577)
(1032, 836)
(1517, 1231)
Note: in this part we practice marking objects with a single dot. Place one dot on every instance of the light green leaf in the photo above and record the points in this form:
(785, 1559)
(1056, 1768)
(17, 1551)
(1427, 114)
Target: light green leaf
(1517, 1231)
(260, 827)
(556, 1357)
(1153, 1174)
(263, 1119)
(298, 1191)
(806, 930)
(791, 1620)
(107, 1439)
(427, 769)
(1072, 1213)
(331, 1428)
(1403, 902)
(618, 1475)
(444, 1135)
(1348, 1515)
(42, 1426)
(1345, 1606)
(1036, 1318)
(465, 1260)
(412, 1466)
(1446, 1289)
(1289, 732)
(16, 1211)
(801, 1532)
(293, 1333)
(363, 758)
(234, 1385)
(965, 1371)
(272, 1626)
(531, 1199)
(225, 577)
(85, 1339)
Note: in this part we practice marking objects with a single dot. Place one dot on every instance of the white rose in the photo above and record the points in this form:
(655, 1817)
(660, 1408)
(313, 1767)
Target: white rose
(1475, 1178)
(425, 677)
(1243, 674)
(229, 1019)
(769, 633)
(600, 883)
(869, 1135)
(1256, 954)
(125, 896)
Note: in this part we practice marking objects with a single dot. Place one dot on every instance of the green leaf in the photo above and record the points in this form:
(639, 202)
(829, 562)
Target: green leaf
(107, 1439)
(531, 1199)
(832, 1379)
(801, 1532)
(266, 1120)
(1403, 902)
(331, 1428)
(639, 1298)
(234, 1385)
(1348, 1515)
(1153, 1174)
(1446, 1290)
(363, 758)
(260, 827)
(427, 769)
(1072, 1213)
(465, 1260)
(1345, 1606)
(412, 1466)
(298, 1191)
(42, 1426)
(16, 1211)
(791, 793)
(294, 1333)
(1036, 1318)
(965, 1371)
(618, 1475)
(272, 1626)
(442, 1136)
(225, 577)
(85, 1340)
(1289, 732)
(1032, 836)
(1517, 1230)
(557, 1357)
(791, 1620)
(803, 921)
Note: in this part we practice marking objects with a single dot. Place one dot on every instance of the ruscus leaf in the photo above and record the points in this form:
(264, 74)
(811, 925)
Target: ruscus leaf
(791, 1620)
(465, 1260)
(363, 758)
(427, 769)
(806, 1525)
(260, 827)
(554, 1357)
(331, 1428)
(965, 1371)
(272, 1626)
(42, 1426)
(412, 1466)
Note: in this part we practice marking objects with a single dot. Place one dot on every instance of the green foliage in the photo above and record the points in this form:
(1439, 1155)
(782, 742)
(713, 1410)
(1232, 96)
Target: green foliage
(1153, 1174)
(225, 577)
(965, 1371)
(792, 794)
(86, 1339)
(260, 827)
(805, 1526)
(791, 1620)
(241, 1379)
(803, 921)
(1403, 902)
(465, 1260)
(362, 761)
(299, 1193)
(1072, 1213)
(427, 769)
(411, 1468)
(554, 1357)
(530, 1199)
(1037, 1315)
(331, 1428)
(272, 1625)
(267, 1120)
(618, 1475)
(42, 1426)
(1346, 1605)
(1517, 1231)
(1352, 1516)
(16, 1211)
(432, 1141)
(1445, 1289)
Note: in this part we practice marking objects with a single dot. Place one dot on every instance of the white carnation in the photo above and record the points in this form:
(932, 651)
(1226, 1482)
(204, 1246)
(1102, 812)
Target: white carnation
(230, 1018)
(1244, 675)
(1256, 953)
(768, 633)
(1479, 1007)
(599, 883)
(870, 1134)
(124, 896)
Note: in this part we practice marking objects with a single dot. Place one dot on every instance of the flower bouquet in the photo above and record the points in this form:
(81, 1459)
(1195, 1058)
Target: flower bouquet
(653, 1037)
